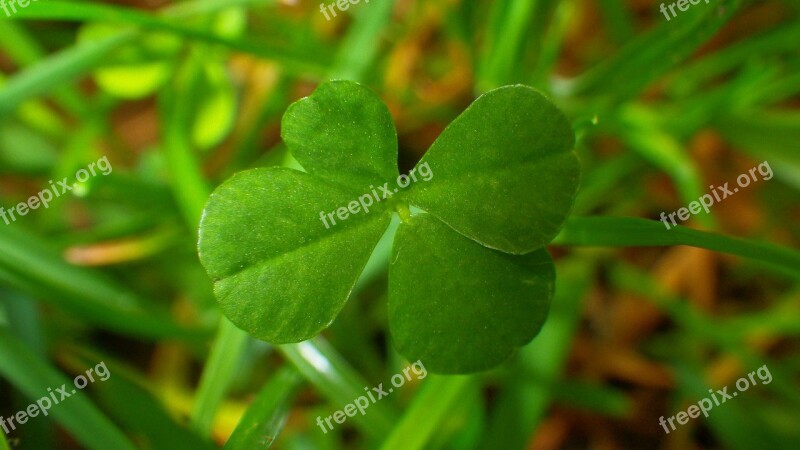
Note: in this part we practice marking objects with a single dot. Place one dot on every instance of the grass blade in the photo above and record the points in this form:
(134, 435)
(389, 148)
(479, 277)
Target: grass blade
(64, 66)
(28, 264)
(264, 419)
(430, 407)
(221, 366)
(340, 383)
(77, 414)
(646, 58)
(359, 48)
(85, 12)
(635, 232)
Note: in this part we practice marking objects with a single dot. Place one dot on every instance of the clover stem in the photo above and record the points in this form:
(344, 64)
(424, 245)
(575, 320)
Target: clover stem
(403, 212)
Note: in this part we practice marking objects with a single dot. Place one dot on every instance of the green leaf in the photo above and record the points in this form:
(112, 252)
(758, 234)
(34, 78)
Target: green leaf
(135, 70)
(504, 173)
(216, 112)
(278, 272)
(461, 307)
(344, 133)
(133, 81)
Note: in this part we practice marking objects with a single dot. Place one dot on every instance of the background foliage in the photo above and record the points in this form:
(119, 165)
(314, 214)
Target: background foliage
(181, 95)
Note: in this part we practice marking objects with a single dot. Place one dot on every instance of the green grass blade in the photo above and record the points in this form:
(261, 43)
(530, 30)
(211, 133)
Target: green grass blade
(594, 397)
(514, 23)
(29, 264)
(733, 425)
(85, 12)
(359, 48)
(640, 131)
(72, 62)
(198, 7)
(328, 371)
(644, 59)
(265, 417)
(130, 401)
(3, 442)
(39, 116)
(77, 414)
(772, 41)
(430, 407)
(704, 327)
(191, 191)
(635, 232)
(66, 65)
(221, 366)
(767, 135)
(23, 48)
(187, 181)
(619, 19)
(699, 330)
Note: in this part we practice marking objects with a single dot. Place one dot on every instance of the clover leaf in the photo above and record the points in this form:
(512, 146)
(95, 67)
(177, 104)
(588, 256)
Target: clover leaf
(343, 133)
(469, 278)
(448, 293)
(279, 276)
(505, 173)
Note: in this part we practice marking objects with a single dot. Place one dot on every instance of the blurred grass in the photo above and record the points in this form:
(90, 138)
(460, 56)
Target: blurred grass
(661, 109)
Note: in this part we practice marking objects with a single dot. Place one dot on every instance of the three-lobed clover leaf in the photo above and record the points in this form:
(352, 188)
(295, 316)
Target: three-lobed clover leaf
(469, 279)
